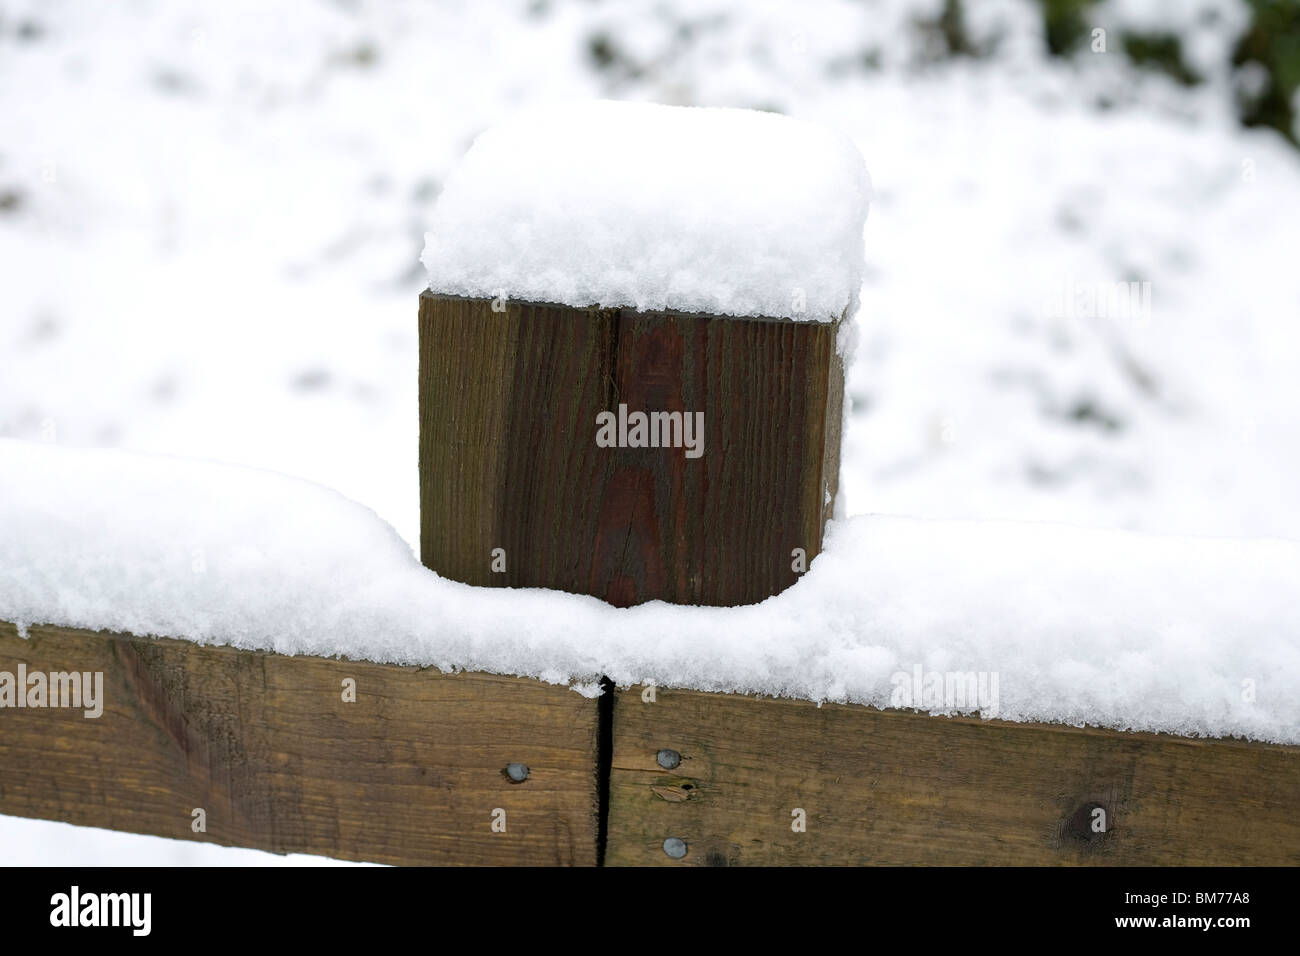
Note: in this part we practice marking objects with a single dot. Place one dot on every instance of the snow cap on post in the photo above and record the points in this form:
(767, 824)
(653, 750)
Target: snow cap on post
(657, 208)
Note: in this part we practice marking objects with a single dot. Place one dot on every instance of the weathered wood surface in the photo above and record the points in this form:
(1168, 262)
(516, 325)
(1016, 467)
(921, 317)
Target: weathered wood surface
(892, 787)
(509, 459)
(410, 773)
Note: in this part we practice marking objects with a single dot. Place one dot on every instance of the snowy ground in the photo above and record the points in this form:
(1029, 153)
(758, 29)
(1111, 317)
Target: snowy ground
(211, 217)
(47, 843)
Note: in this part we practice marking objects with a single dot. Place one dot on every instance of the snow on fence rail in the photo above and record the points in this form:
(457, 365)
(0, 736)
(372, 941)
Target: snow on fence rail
(1194, 636)
(576, 327)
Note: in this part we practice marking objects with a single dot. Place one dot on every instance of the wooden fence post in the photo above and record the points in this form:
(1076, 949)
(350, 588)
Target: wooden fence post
(516, 489)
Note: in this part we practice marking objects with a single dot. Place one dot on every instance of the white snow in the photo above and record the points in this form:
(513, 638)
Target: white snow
(1188, 635)
(25, 842)
(722, 211)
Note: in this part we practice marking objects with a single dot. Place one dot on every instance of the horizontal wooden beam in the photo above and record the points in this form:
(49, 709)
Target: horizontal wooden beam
(893, 787)
(414, 771)
(411, 772)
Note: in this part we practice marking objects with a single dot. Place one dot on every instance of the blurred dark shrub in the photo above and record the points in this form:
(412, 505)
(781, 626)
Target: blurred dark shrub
(1269, 49)
(1272, 42)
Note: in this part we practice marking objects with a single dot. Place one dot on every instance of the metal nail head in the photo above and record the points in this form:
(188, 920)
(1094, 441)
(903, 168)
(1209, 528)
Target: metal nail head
(675, 847)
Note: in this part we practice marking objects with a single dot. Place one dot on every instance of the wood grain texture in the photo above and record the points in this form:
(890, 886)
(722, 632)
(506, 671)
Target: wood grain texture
(893, 787)
(410, 773)
(509, 459)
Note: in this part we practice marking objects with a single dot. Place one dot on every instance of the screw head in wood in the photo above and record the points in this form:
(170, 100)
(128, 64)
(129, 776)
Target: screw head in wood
(516, 772)
(668, 759)
(675, 847)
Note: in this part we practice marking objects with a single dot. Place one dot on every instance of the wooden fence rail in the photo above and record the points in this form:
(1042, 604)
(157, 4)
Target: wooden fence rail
(894, 787)
(414, 771)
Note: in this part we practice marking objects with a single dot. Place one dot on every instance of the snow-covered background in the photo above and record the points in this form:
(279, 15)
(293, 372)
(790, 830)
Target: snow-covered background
(211, 216)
